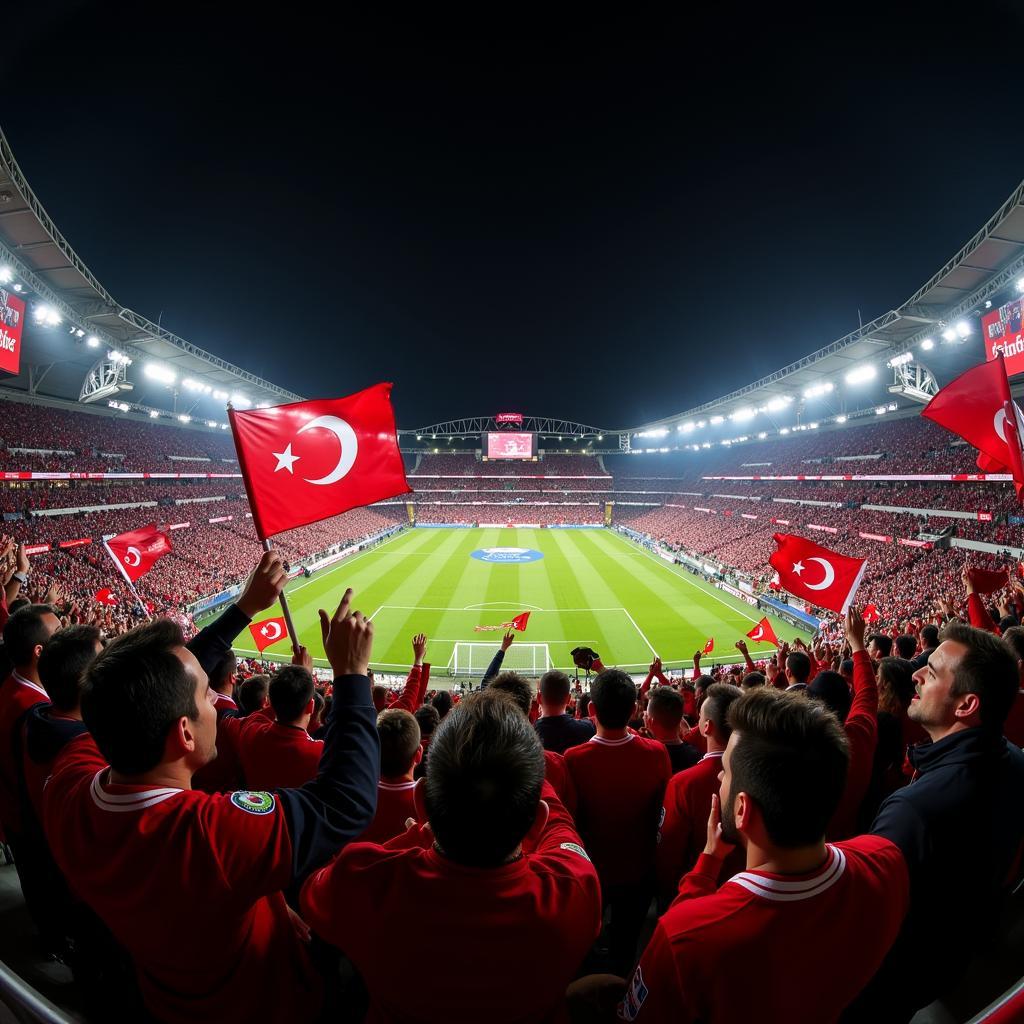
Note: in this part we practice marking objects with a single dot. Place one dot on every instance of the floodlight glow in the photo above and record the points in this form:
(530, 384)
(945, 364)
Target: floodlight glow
(5, 275)
(47, 315)
(784, 430)
(600, 437)
(816, 390)
(778, 404)
(18, 287)
(262, 405)
(927, 345)
(840, 418)
(861, 374)
(153, 414)
(899, 360)
(185, 418)
(92, 341)
(701, 424)
(813, 426)
(1020, 284)
(893, 407)
(211, 423)
(742, 415)
(715, 420)
(963, 328)
(762, 435)
(880, 410)
(163, 374)
(687, 428)
(240, 400)
(706, 444)
(949, 334)
(221, 396)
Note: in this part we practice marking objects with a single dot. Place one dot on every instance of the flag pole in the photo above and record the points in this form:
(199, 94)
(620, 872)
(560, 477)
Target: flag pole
(285, 610)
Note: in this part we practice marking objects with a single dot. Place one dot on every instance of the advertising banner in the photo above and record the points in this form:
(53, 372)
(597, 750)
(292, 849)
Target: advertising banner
(12, 317)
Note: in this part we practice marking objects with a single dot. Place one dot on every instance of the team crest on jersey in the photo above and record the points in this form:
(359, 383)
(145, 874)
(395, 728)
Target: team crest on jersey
(576, 848)
(253, 802)
(634, 998)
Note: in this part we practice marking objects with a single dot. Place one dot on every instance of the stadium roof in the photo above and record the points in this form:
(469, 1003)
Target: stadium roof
(990, 263)
(57, 361)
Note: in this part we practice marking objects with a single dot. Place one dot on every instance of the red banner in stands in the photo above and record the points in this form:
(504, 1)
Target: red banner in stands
(930, 477)
(220, 519)
(826, 529)
(926, 544)
(876, 536)
(179, 526)
(36, 549)
(12, 316)
(783, 522)
(74, 543)
(1001, 330)
(984, 517)
(747, 515)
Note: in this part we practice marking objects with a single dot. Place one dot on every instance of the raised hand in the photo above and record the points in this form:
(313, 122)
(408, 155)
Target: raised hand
(419, 647)
(302, 657)
(855, 628)
(716, 846)
(506, 640)
(348, 638)
(741, 646)
(22, 557)
(264, 586)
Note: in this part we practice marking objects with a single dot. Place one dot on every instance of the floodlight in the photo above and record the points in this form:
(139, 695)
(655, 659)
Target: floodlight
(963, 328)
(861, 374)
(185, 418)
(153, 414)
(904, 357)
(949, 334)
(927, 345)
(880, 410)
(160, 373)
(841, 418)
(221, 396)
(5, 275)
(715, 420)
(92, 341)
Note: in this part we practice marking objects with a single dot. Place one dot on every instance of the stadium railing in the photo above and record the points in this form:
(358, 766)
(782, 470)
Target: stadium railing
(20, 1002)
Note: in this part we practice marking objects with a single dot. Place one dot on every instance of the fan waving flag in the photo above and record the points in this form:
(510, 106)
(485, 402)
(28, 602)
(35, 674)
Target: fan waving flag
(137, 551)
(312, 460)
(268, 632)
(977, 407)
(710, 645)
(870, 613)
(816, 574)
(988, 581)
(518, 623)
(763, 633)
(105, 596)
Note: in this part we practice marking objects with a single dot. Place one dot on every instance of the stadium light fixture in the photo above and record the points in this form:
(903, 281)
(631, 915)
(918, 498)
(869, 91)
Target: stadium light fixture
(600, 437)
(163, 374)
(185, 418)
(927, 345)
(223, 426)
(706, 444)
(715, 420)
(880, 410)
(18, 287)
(841, 418)
(687, 428)
(761, 436)
(949, 334)
(1020, 284)
(153, 414)
(240, 400)
(701, 424)
(211, 423)
(221, 396)
(900, 360)
(861, 374)
(784, 430)
(5, 275)
(419, 437)
(963, 329)
(46, 315)
(893, 407)
(79, 333)
(742, 415)
(92, 341)
(817, 390)
(778, 404)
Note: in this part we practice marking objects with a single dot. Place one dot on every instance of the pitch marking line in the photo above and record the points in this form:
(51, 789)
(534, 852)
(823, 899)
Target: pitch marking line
(502, 604)
(640, 631)
(435, 608)
(345, 563)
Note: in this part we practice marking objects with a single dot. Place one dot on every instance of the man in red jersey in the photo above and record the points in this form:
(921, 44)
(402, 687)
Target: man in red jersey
(662, 719)
(841, 905)
(191, 883)
(282, 754)
(522, 922)
(688, 795)
(620, 780)
(400, 752)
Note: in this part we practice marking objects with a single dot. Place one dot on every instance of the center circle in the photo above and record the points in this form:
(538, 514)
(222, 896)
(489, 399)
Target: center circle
(507, 556)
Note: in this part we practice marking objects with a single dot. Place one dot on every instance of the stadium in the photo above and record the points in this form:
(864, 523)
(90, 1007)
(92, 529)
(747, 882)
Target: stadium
(647, 543)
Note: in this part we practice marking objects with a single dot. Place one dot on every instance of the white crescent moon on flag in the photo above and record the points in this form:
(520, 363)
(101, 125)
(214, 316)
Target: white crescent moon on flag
(129, 560)
(347, 441)
(272, 630)
(999, 421)
(830, 575)
(758, 633)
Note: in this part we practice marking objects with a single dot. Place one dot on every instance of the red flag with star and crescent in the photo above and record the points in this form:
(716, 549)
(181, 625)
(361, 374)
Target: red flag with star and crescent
(137, 551)
(309, 461)
(709, 645)
(763, 633)
(105, 596)
(268, 632)
(816, 574)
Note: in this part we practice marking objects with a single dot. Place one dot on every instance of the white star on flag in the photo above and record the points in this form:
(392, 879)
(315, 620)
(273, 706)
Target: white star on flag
(798, 567)
(285, 459)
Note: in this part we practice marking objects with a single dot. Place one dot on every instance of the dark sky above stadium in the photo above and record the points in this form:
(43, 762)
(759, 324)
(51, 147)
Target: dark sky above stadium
(596, 226)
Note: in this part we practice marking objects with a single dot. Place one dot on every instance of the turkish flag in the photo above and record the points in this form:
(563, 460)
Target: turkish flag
(977, 407)
(137, 551)
(105, 596)
(763, 633)
(710, 645)
(987, 581)
(266, 633)
(312, 460)
(816, 574)
(870, 613)
(520, 621)
(775, 584)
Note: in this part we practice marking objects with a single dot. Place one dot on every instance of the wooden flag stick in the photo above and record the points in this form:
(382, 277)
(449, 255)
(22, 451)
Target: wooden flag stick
(287, 612)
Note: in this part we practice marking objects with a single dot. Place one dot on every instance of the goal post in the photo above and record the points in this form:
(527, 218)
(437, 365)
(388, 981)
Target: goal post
(472, 659)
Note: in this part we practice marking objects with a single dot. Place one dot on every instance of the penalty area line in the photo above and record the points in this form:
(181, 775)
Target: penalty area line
(640, 631)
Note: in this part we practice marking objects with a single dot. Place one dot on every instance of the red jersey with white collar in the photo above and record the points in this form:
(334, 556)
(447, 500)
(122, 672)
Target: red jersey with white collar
(532, 920)
(851, 907)
(395, 806)
(619, 789)
(17, 695)
(278, 756)
(558, 775)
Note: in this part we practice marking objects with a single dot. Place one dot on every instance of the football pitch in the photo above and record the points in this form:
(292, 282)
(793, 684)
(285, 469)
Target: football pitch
(589, 587)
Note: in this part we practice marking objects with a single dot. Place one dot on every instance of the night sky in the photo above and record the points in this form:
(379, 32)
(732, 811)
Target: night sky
(604, 228)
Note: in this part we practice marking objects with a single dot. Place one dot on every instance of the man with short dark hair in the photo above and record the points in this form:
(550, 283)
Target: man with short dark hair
(282, 754)
(224, 772)
(906, 646)
(620, 781)
(663, 719)
(400, 752)
(559, 731)
(253, 693)
(840, 905)
(428, 720)
(879, 646)
(929, 641)
(960, 822)
(499, 875)
(191, 883)
(222, 682)
(798, 671)
(442, 702)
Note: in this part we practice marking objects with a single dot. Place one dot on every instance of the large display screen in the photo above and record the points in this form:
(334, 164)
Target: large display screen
(1004, 335)
(510, 446)
(12, 313)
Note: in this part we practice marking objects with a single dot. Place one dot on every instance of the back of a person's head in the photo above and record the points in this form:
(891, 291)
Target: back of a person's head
(613, 694)
(988, 669)
(833, 690)
(1008, 622)
(515, 686)
(427, 718)
(666, 707)
(483, 780)
(223, 674)
(399, 735)
(752, 679)
(318, 703)
(702, 683)
(554, 688)
(379, 696)
(134, 691)
(442, 701)
(291, 690)
(715, 708)
(790, 756)
(930, 636)
(63, 662)
(798, 665)
(883, 643)
(906, 647)
(252, 693)
(1014, 636)
(895, 684)
(27, 629)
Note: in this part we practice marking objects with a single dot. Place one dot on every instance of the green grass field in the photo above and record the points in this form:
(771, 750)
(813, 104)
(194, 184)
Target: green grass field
(591, 587)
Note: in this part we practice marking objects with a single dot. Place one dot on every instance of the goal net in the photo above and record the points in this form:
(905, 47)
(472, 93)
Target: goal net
(472, 659)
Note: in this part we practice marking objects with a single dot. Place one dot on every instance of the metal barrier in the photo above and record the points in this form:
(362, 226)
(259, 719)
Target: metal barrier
(25, 1004)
